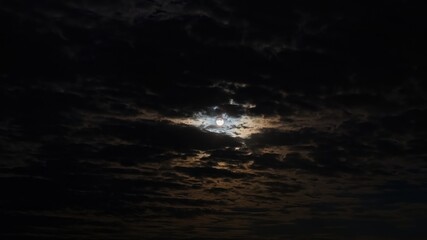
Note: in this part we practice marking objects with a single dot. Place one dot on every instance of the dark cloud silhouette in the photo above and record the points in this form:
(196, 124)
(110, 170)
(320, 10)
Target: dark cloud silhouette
(107, 119)
(211, 172)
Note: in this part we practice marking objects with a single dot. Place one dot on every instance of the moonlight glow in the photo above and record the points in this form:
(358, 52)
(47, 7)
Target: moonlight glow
(241, 126)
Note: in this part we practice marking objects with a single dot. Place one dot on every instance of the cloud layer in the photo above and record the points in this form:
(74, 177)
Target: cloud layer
(106, 108)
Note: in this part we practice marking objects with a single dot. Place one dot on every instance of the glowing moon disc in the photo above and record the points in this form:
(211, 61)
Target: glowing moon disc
(219, 121)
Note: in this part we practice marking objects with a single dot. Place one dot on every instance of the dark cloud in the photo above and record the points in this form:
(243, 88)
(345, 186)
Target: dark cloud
(209, 172)
(282, 187)
(395, 192)
(163, 134)
(100, 104)
(274, 137)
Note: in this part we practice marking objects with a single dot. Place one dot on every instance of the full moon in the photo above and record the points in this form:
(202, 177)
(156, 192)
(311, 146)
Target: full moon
(219, 121)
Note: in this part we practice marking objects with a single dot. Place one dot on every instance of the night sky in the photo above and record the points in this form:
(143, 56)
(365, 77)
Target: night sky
(215, 119)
